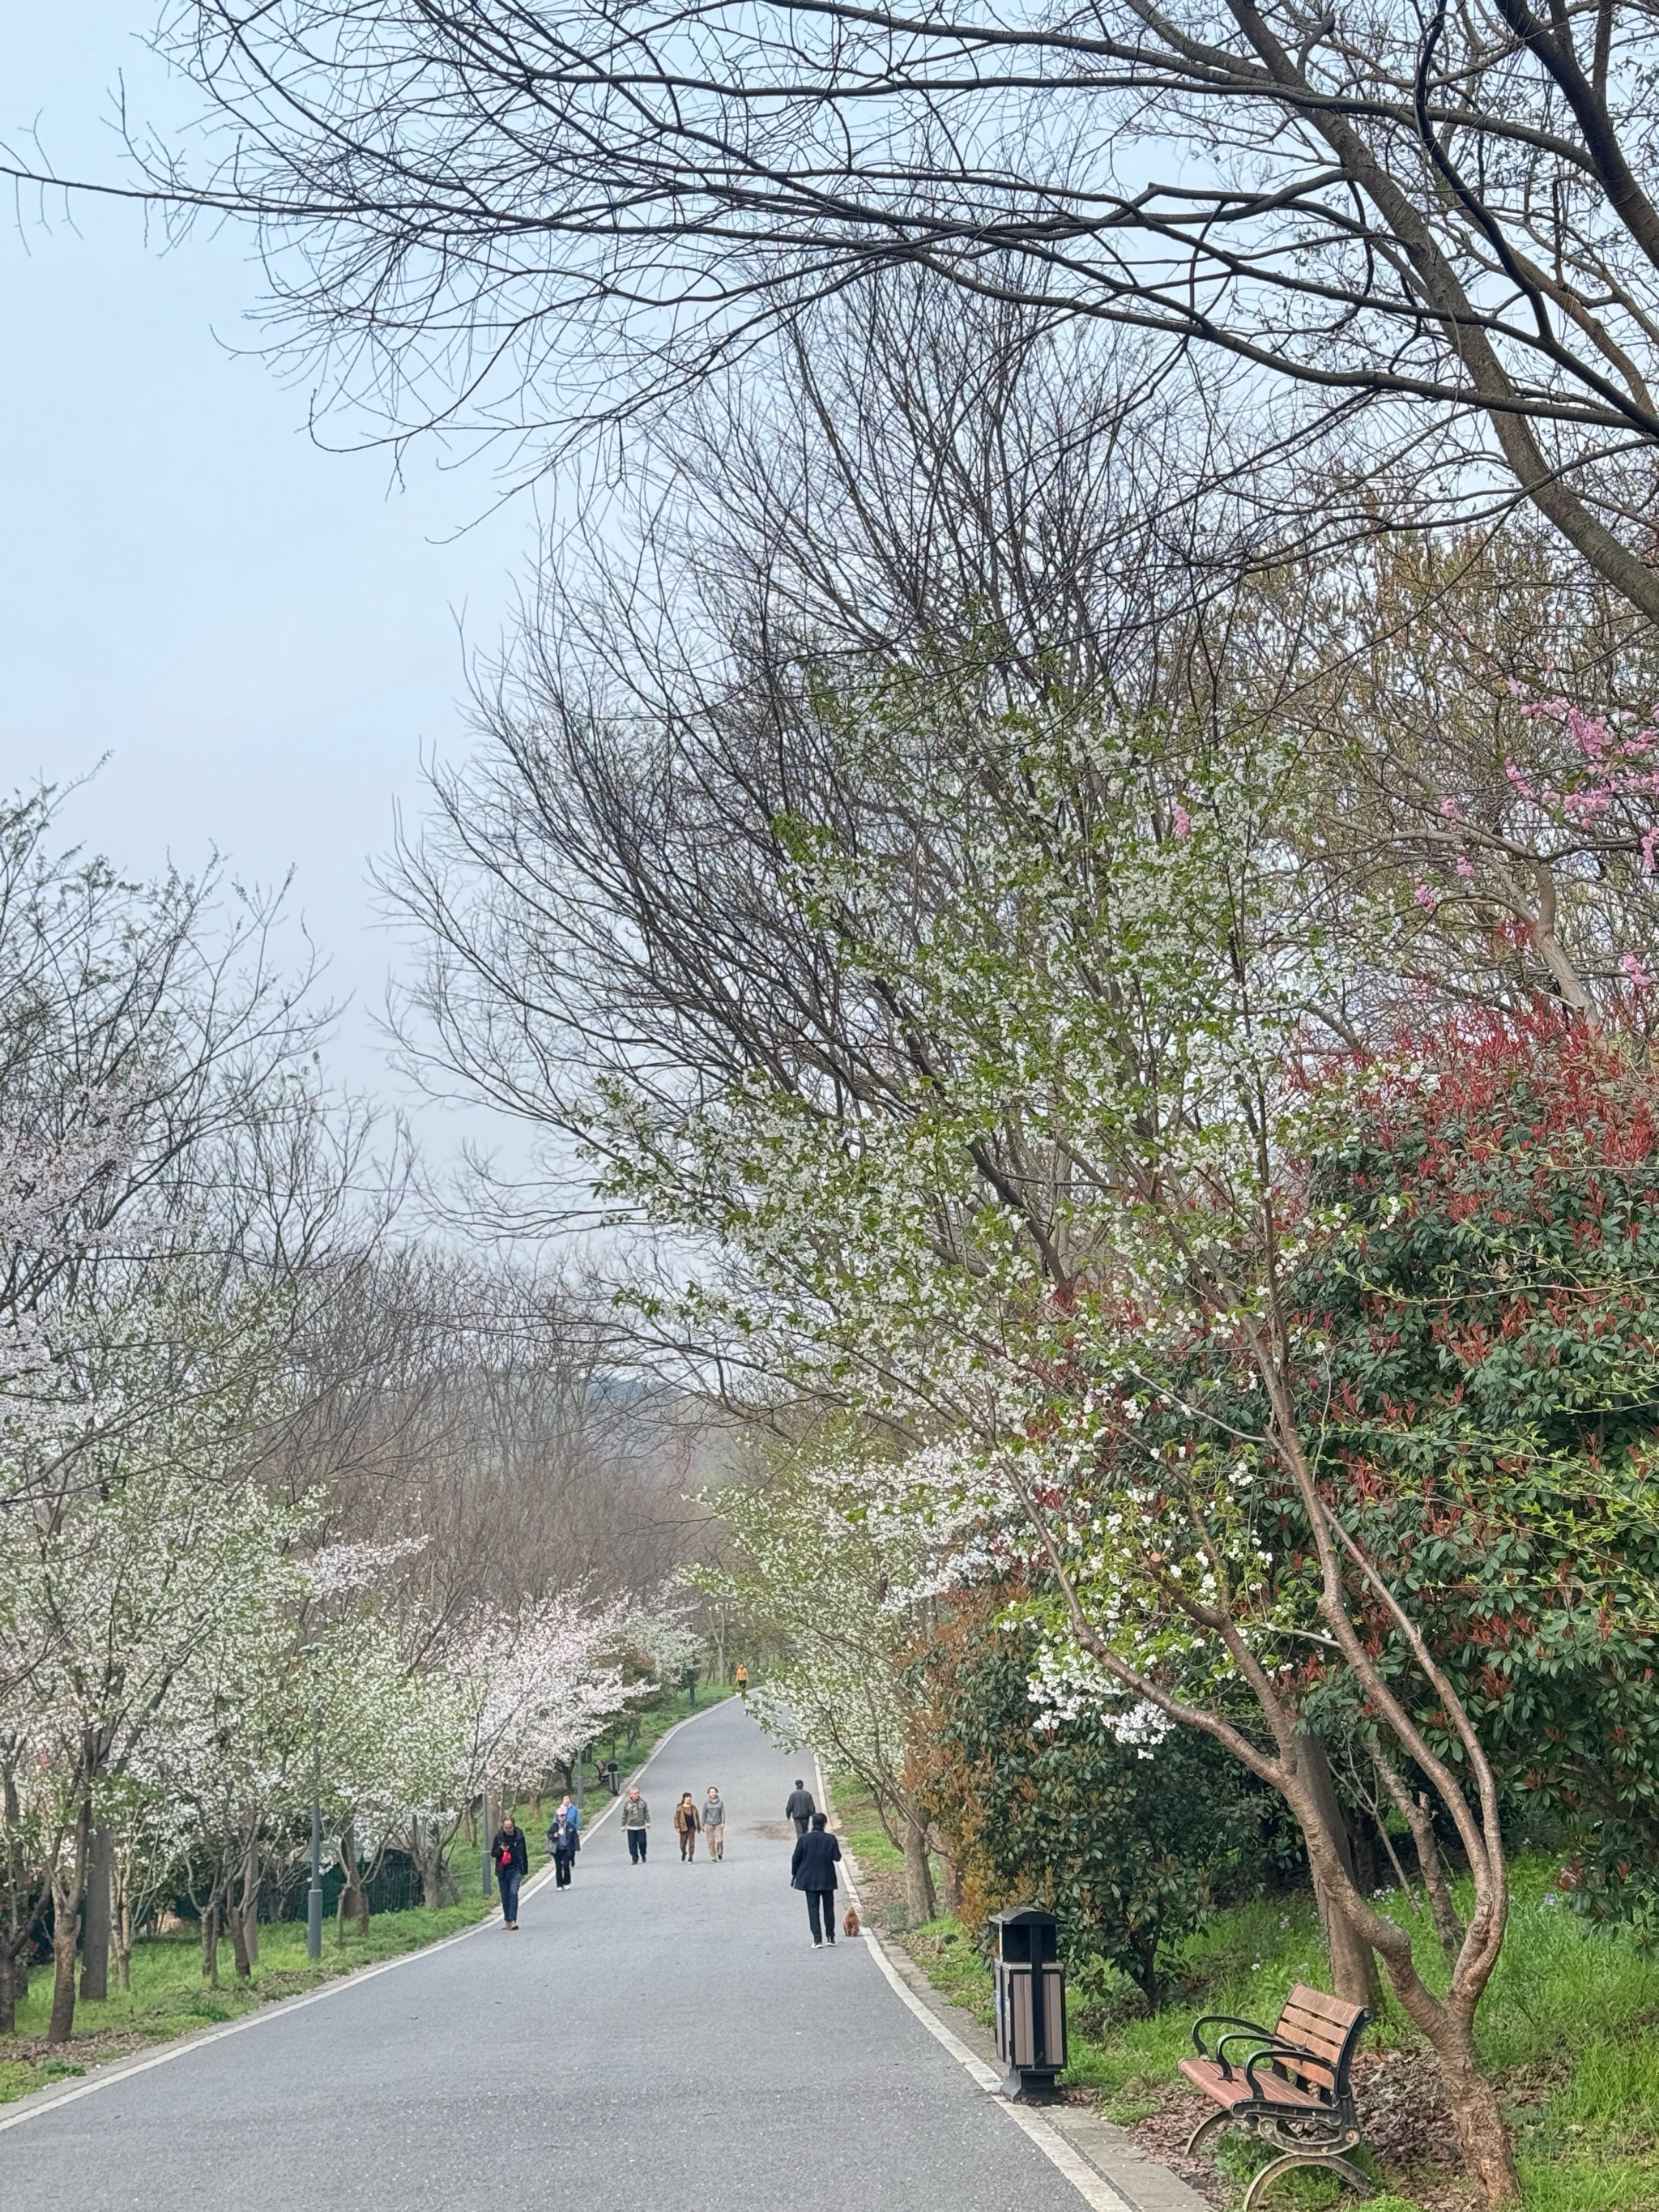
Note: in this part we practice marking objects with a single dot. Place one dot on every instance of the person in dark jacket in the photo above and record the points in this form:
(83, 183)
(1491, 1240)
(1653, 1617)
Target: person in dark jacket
(564, 1840)
(812, 1868)
(512, 1859)
(800, 1808)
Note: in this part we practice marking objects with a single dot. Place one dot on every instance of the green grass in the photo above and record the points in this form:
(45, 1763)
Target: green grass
(863, 1834)
(168, 1997)
(1569, 2025)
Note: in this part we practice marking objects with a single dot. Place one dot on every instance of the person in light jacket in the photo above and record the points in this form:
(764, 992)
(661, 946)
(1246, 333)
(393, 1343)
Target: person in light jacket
(713, 1822)
(687, 1826)
(800, 1808)
(812, 1868)
(510, 1856)
(635, 1819)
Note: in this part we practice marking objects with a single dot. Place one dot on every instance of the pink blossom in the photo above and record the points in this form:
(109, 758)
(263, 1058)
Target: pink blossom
(1637, 974)
(1650, 839)
(1183, 820)
(1424, 896)
(1464, 866)
(1518, 779)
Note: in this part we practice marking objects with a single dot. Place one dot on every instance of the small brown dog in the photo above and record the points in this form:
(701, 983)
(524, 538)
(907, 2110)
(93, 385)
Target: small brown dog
(850, 1926)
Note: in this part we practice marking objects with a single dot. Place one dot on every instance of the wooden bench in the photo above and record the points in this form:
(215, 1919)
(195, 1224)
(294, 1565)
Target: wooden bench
(1288, 2084)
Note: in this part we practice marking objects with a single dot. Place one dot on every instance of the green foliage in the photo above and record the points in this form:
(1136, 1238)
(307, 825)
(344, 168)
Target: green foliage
(1128, 1841)
(1567, 2029)
(1490, 1381)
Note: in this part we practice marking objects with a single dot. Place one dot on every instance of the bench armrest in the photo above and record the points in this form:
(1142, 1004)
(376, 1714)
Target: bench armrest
(1304, 2061)
(1225, 2020)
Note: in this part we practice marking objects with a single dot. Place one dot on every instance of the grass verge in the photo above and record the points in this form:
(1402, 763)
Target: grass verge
(1568, 2027)
(168, 1997)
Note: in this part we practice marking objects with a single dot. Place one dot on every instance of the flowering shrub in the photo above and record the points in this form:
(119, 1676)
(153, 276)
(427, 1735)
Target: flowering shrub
(1484, 1342)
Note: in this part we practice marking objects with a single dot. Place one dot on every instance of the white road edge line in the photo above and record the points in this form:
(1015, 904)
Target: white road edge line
(106, 2077)
(1094, 2189)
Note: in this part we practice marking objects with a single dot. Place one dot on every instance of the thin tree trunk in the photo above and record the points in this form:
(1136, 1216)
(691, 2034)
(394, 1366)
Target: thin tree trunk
(20, 1904)
(1418, 1814)
(353, 1894)
(121, 1927)
(95, 1946)
(247, 1909)
(65, 1941)
(210, 1942)
(427, 1854)
(238, 1938)
(68, 1888)
(1353, 1963)
(1447, 1925)
(919, 1904)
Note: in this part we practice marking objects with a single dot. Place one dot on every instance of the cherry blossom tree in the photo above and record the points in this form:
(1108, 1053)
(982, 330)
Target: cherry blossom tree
(986, 1133)
(839, 1582)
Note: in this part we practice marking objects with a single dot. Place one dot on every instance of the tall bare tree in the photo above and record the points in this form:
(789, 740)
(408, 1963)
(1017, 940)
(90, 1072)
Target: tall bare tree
(1361, 231)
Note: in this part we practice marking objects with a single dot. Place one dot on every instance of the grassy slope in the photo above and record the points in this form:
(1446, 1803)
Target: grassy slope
(1569, 2024)
(168, 1997)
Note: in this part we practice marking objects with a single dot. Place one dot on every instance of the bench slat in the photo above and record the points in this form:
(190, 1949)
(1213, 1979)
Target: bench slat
(1312, 2035)
(1319, 2023)
(1335, 2009)
(1204, 2074)
(1323, 2029)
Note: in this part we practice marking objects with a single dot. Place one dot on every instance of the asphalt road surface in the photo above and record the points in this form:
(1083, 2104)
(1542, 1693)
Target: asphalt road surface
(654, 2038)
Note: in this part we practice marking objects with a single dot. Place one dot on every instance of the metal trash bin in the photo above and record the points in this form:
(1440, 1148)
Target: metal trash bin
(1030, 2002)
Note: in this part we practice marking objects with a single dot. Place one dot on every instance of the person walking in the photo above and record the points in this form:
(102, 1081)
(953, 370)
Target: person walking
(512, 1858)
(564, 1840)
(686, 1825)
(800, 1808)
(636, 1820)
(741, 1679)
(817, 1854)
(714, 1823)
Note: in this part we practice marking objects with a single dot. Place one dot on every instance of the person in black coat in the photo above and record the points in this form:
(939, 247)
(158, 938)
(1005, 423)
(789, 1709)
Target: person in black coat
(510, 1856)
(812, 1868)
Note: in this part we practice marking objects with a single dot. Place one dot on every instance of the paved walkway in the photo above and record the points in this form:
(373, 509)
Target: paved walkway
(654, 2038)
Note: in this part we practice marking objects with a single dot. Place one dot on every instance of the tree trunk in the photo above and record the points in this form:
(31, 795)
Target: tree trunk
(68, 1888)
(65, 1938)
(20, 1904)
(427, 1854)
(210, 1942)
(1447, 1925)
(94, 1947)
(950, 1881)
(919, 1904)
(1353, 1963)
(238, 1940)
(247, 1906)
(1482, 2132)
(121, 1931)
(354, 1895)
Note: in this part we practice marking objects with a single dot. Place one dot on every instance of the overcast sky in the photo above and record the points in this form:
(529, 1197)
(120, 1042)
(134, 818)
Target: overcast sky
(262, 636)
